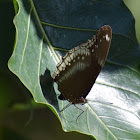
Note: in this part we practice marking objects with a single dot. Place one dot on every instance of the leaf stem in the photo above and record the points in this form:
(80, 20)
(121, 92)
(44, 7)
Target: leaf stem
(43, 31)
(66, 27)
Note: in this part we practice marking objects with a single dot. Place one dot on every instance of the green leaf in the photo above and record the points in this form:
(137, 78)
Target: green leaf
(15, 6)
(113, 108)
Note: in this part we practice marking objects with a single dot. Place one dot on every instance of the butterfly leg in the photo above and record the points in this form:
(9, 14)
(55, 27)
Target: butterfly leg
(80, 113)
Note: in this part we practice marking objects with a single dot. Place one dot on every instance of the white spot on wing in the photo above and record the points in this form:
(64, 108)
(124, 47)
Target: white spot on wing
(107, 37)
(60, 68)
(63, 65)
(96, 46)
(71, 56)
(66, 62)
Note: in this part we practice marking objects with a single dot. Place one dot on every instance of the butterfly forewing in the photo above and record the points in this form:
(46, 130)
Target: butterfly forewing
(102, 45)
(79, 68)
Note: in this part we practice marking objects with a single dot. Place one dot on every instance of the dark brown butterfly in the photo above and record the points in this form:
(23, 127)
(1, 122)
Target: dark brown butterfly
(79, 68)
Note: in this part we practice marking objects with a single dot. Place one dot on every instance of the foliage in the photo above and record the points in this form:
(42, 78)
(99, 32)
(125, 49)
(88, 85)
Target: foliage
(112, 111)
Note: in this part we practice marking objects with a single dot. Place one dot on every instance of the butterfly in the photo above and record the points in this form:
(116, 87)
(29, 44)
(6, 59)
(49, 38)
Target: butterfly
(79, 68)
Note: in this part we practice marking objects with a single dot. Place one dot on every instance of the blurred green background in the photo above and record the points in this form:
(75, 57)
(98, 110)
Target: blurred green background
(20, 117)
